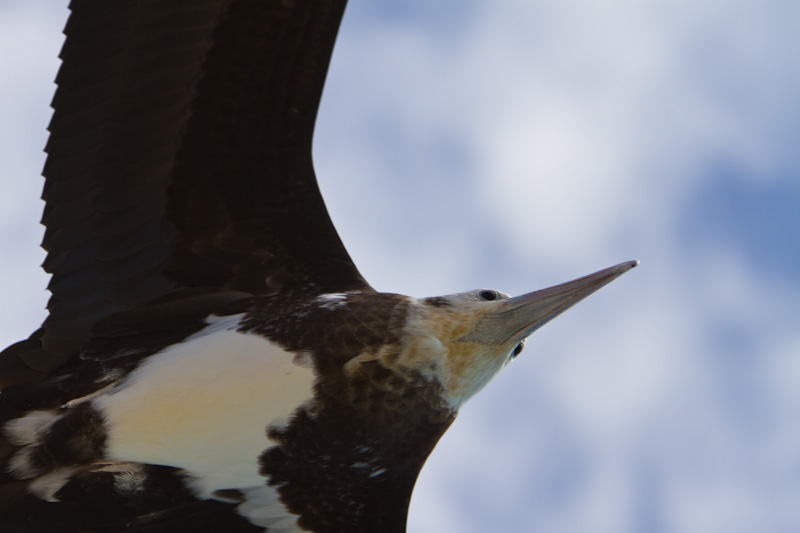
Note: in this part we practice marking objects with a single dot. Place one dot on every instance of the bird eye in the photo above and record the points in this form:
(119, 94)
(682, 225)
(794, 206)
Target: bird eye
(488, 295)
(518, 350)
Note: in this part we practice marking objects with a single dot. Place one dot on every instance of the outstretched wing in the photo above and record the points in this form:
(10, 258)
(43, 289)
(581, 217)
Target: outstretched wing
(179, 183)
(179, 162)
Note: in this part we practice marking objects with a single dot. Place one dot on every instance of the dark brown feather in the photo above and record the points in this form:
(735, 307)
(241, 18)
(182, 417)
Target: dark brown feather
(180, 184)
(180, 156)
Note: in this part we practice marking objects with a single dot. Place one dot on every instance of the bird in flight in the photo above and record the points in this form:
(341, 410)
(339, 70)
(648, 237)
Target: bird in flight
(212, 359)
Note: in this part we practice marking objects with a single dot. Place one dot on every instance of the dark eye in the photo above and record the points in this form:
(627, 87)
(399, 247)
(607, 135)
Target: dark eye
(488, 295)
(517, 350)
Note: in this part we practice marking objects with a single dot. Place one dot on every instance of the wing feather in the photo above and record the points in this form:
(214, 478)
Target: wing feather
(180, 157)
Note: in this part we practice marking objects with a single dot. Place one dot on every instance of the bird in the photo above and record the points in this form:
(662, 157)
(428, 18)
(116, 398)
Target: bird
(212, 359)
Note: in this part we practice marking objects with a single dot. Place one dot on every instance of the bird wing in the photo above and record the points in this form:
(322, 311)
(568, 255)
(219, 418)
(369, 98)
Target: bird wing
(179, 163)
(179, 183)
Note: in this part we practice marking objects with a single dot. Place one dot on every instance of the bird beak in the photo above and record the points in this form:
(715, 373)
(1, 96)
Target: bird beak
(514, 319)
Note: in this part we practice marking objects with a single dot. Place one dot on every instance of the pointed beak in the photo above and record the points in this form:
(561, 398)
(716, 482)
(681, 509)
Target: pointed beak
(514, 319)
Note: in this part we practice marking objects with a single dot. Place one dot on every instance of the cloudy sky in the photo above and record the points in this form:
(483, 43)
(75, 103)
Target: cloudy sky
(516, 144)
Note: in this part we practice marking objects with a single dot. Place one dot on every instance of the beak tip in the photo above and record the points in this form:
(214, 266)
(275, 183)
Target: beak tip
(618, 270)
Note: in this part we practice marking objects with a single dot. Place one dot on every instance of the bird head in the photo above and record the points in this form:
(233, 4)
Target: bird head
(463, 340)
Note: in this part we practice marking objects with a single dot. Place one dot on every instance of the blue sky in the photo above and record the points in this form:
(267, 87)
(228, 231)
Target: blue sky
(519, 144)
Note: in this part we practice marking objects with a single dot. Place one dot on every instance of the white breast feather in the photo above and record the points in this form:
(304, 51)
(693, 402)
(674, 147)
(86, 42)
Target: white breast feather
(204, 405)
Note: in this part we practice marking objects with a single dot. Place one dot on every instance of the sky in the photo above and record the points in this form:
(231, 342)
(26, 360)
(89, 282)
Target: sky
(517, 144)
